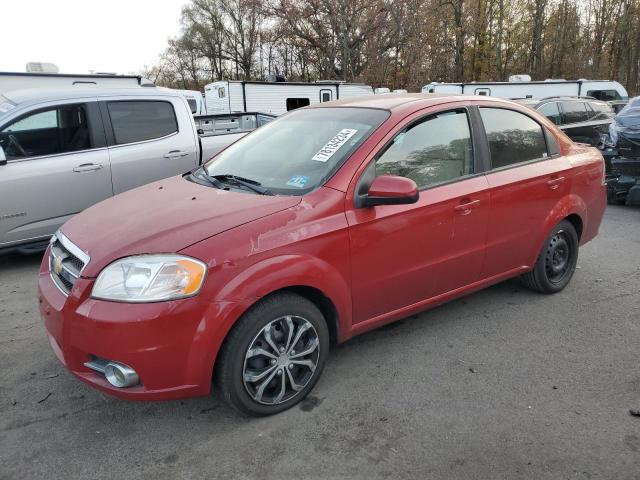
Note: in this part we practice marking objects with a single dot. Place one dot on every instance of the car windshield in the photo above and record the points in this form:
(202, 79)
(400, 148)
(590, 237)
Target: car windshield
(299, 151)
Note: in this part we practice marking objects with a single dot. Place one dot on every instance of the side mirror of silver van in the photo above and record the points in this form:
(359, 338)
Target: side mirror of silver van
(3, 157)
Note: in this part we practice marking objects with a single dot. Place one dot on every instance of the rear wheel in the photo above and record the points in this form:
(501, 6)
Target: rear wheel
(557, 260)
(273, 356)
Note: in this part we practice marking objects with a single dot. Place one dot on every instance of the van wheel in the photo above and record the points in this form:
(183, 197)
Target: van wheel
(557, 260)
(273, 356)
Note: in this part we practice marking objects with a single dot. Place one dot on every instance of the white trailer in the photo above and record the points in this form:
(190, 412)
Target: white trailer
(194, 99)
(608, 90)
(275, 98)
(22, 80)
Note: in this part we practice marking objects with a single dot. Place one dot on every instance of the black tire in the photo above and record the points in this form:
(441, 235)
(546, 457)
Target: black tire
(233, 361)
(556, 262)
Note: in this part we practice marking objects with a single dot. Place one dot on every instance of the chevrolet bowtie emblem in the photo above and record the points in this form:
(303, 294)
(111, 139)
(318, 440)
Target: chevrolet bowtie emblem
(57, 266)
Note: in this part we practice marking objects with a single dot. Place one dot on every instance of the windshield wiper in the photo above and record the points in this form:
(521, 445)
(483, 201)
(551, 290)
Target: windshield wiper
(200, 174)
(245, 182)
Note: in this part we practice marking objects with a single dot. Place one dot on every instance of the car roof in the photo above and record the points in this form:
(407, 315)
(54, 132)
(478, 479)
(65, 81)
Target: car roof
(392, 101)
(47, 94)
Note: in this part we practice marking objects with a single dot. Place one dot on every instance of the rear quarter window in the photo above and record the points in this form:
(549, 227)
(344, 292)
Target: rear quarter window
(137, 121)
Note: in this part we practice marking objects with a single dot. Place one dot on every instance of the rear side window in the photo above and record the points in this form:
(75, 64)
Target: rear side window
(551, 111)
(137, 121)
(430, 152)
(513, 137)
(575, 112)
(58, 130)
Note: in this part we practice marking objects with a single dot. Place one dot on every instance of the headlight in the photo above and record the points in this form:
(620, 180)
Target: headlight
(150, 278)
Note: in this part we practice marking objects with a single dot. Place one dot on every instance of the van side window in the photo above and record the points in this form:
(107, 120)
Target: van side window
(430, 152)
(137, 121)
(513, 137)
(606, 95)
(47, 132)
(293, 103)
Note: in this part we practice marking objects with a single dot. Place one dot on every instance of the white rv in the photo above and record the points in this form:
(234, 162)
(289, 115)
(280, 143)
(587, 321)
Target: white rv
(276, 98)
(194, 99)
(521, 86)
(22, 80)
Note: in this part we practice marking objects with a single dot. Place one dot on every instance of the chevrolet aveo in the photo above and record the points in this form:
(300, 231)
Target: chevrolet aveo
(324, 224)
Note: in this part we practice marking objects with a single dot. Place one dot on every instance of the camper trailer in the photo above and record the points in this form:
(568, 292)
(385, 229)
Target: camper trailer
(22, 80)
(521, 86)
(194, 99)
(275, 98)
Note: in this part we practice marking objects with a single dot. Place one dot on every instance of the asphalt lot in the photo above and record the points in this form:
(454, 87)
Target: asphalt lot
(504, 383)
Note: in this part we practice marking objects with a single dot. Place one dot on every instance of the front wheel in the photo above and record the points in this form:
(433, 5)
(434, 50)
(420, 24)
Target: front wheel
(557, 260)
(273, 356)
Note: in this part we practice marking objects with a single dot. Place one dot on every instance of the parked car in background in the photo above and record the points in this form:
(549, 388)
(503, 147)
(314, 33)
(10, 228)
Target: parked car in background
(623, 180)
(583, 119)
(323, 224)
(64, 149)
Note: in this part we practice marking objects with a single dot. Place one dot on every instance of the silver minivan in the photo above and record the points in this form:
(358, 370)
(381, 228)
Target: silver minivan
(63, 150)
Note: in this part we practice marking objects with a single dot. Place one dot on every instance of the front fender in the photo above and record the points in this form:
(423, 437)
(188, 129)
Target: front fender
(284, 271)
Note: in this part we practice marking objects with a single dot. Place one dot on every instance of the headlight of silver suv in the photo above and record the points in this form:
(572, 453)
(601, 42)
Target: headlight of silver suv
(150, 278)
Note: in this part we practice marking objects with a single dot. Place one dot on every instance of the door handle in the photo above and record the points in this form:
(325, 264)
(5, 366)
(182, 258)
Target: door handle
(176, 154)
(554, 183)
(87, 167)
(466, 207)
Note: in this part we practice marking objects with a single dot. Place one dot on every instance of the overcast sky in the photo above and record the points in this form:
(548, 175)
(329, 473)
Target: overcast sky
(120, 36)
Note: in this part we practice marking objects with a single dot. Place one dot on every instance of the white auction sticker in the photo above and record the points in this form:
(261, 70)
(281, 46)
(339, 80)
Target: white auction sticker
(333, 145)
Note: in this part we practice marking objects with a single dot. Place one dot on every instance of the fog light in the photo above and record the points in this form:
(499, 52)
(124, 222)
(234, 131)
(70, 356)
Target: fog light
(120, 375)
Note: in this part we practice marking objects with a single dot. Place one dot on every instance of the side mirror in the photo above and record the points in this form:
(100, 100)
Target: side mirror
(390, 190)
(3, 157)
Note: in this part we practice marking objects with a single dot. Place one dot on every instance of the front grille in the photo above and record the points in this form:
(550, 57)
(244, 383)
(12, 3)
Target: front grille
(65, 265)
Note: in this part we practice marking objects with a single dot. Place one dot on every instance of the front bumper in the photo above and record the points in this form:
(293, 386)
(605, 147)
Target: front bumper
(171, 345)
(623, 184)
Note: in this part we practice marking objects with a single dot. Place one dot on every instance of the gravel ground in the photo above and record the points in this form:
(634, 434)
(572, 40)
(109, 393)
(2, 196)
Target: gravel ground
(504, 383)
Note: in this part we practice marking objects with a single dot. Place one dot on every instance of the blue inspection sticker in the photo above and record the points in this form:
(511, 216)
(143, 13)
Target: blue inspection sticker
(298, 181)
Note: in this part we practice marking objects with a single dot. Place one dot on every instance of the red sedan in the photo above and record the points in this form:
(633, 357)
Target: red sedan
(326, 223)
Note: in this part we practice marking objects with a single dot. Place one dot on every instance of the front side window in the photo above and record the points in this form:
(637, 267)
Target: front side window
(58, 130)
(137, 121)
(575, 112)
(297, 152)
(513, 137)
(430, 152)
(551, 111)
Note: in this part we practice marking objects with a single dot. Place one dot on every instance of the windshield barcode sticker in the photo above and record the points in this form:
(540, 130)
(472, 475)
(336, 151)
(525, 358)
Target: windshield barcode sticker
(333, 145)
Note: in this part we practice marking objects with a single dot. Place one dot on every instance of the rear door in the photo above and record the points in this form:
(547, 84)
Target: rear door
(57, 166)
(406, 254)
(149, 139)
(527, 178)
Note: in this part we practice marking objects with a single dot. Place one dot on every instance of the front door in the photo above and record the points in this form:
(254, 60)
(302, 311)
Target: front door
(405, 254)
(57, 166)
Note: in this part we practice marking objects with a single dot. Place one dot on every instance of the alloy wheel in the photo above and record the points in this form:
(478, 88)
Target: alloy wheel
(281, 360)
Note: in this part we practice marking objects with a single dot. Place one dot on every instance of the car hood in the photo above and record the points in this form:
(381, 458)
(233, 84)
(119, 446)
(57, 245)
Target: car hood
(163, 217)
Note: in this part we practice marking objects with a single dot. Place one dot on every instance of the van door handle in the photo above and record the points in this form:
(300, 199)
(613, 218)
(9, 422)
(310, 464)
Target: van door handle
(554, 183)
(176, 154)
(87, 167)
(466, 207)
